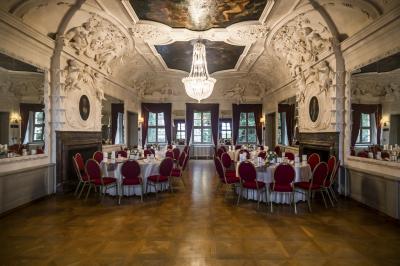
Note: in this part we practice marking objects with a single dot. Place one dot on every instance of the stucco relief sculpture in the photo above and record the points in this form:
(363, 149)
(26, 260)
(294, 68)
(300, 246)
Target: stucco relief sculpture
(98, 40)
(376, 90)
(247, 33)
(78, 76)
(237, 93)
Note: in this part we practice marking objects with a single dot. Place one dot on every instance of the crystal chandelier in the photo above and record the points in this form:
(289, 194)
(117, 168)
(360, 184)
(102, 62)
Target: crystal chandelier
(199, 85)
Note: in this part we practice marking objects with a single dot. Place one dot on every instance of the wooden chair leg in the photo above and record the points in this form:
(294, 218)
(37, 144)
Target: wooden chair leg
(141, 194)
(308, 201)
(329, 196)
(323, 198)
(239, 195)
(294, 202)
(120, 194)
(270, 200)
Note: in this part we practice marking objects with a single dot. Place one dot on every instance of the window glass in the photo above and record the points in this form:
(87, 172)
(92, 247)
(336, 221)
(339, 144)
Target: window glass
(247, 128)
(156, 129)
(202, 127)
(151, 135)
(39, 117)
(160, 119)
(243, 119)
(251, 120)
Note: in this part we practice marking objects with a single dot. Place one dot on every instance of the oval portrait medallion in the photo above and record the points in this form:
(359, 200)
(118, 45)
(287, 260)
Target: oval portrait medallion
(84, 107)
(313, 109)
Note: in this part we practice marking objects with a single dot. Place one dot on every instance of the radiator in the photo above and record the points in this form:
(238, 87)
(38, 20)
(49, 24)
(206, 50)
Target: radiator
(201, 152)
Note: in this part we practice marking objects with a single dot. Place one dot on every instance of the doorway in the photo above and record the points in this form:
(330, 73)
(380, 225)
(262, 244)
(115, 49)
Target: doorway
(132, 138)
(4, 123)
(270, 131)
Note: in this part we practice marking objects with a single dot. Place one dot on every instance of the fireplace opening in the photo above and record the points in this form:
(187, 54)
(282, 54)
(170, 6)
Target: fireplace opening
(323, 153)
(323, 143)
(68, 144)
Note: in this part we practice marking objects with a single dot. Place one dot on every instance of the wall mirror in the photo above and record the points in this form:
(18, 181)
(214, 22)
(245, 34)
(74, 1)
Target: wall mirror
(375, 106)
(287, 121)
(112, 121)
(22, 110)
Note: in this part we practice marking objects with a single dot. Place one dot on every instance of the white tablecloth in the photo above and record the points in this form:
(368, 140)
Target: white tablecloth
(146, 169)
(266, 175)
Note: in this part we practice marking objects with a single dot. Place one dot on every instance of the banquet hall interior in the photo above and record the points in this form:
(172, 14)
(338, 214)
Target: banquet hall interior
(200, 132)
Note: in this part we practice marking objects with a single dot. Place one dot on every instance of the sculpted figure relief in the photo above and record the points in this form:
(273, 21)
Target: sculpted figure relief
(77, 76)
(98, 40)
(236, 93)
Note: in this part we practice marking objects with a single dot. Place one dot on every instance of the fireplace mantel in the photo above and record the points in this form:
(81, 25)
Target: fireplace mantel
(67, 141)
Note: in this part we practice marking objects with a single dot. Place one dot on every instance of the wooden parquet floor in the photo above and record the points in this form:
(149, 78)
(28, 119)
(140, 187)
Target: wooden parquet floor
(195, 226)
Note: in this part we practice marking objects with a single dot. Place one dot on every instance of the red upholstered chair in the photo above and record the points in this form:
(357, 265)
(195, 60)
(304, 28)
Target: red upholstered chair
(363, 154)
(246, 152)
(313, 160)
(79, 166)
(176, 153)
(147, 152)
(186, 149)
(98, 156)
(333, 168)
(223, 148)
(223, 178)
(261, 147)
(152, 151)
(178, 170)
(289, 155)
(248, 181)
(163, 177)
(278, 150)
(130, 171)
(331, 164)
(228, 164)
(96, 178)
(220, 152)
(122, 153)
(319, 175)
(384, 155)
(39, 151)
(238, 147)
(262, 154)
(186, 161)
(169, 154)
(283, 182)
(169, 147)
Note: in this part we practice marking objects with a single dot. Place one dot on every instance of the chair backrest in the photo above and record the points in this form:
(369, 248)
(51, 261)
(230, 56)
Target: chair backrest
(333, 175)
(262, 154)
(130, 169)
(220, 151)
(223, 148)
(320, 173)
(384, 155)
(147, 152)
(186, 149)
(182, 158)
(98, 156)
(363, 154)
(152, 151)
(176, 153)
(92, 169)
(284, 174)
(261, 147)
(247, 171)
(79, 162)
(77, 169)
(313, 160)
(122, 153)
(278, 150)
(238, 147)
(168, 154)
(289, 155)
(246, 152)
(186, 161)
(169, 147)
(226, 160)
(331, 164)
(219, 168)
(166, 166)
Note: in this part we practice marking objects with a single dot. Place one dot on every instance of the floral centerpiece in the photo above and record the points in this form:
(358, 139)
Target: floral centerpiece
(271, 158)
(135, 152)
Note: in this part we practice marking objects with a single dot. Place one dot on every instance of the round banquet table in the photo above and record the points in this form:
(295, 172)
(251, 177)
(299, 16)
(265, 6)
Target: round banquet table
(147, 168)
(266, 175)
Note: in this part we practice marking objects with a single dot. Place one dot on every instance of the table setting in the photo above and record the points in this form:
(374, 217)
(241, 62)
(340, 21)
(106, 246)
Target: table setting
(265, 173)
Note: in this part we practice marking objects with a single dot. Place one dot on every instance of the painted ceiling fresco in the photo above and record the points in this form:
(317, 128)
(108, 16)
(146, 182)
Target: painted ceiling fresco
(198, 14)
(220, 55)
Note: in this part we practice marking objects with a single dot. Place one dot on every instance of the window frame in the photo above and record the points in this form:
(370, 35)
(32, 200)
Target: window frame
(156, 127)
(247, 128)
(281, 138)
(202, 128)
(223, 133)
(34, 126)
(362, 128)
(180, 131)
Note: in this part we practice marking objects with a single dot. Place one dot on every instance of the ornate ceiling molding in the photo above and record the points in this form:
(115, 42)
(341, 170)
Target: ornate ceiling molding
(250, 34)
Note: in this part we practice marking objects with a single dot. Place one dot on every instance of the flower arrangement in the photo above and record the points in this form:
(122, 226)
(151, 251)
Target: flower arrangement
(271, 155)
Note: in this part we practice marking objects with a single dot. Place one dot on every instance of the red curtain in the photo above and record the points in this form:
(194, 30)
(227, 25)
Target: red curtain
(213, 108)
(165, 108)
(289, 109)
(116, 108)
(24, 109)
(359, 109)
(246, 108)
